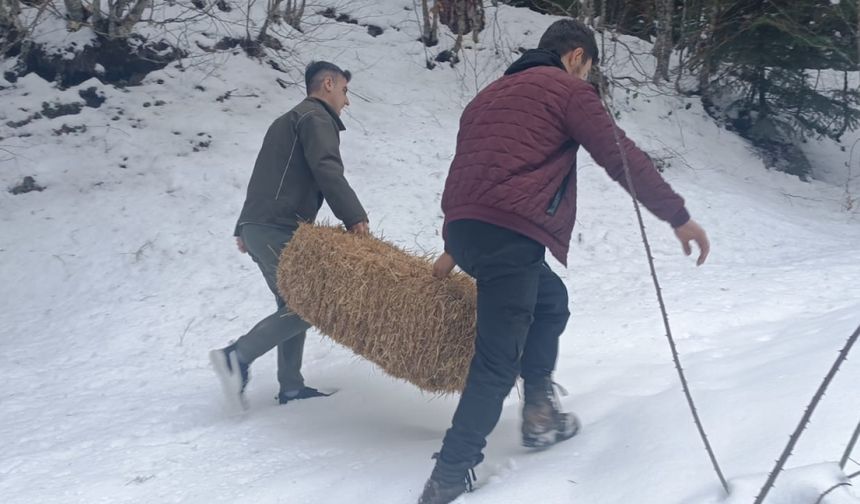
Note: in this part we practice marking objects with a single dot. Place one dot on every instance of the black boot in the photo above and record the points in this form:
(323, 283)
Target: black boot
(304, 393)
(544, 424)
(448, 481)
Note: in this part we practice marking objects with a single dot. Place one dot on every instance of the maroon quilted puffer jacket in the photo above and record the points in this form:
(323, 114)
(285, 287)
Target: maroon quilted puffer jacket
(515, 164)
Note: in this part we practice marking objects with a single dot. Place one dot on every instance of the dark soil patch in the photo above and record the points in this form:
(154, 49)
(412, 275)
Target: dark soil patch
(125, 62)
(27, 185)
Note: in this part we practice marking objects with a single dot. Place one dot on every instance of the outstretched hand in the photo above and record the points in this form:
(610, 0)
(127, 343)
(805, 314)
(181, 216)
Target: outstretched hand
(240, 244)
(691, 231)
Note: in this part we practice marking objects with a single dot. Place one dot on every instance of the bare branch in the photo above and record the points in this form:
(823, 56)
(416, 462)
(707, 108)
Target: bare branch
(816, 398)
(672, 346)
(834, 487)
(850, 447)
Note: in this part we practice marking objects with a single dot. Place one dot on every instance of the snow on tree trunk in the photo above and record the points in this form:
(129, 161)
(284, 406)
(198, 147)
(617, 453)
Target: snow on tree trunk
(120, 18)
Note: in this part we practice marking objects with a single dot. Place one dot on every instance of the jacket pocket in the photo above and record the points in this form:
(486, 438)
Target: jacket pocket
(559, 195)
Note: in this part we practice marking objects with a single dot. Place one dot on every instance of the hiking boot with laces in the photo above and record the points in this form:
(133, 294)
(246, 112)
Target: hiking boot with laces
(544, 424)
(448, 481)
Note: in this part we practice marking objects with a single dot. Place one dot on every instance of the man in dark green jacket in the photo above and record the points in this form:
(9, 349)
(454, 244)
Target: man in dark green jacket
(298, 167)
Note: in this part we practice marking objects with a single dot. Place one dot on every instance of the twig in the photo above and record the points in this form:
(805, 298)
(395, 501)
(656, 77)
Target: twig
(672, 345)
(359, 95)
(850, 447)
(787, 195)
(834, 487)
(139, 253)
(795, 436)
(187, 326)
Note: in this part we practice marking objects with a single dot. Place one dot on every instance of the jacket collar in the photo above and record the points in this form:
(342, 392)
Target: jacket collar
(331, 112)
(534, 58)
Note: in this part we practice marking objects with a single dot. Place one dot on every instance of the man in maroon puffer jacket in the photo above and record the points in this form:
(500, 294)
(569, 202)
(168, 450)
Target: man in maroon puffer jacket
(509, 196)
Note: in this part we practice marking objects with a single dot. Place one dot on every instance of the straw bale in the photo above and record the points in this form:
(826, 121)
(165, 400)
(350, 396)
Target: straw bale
(383, 303)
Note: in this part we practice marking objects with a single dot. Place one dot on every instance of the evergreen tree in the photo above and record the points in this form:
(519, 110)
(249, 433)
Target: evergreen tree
(763, 61)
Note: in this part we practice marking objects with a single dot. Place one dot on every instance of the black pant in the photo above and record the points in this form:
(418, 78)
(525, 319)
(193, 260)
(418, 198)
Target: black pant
(522, 311)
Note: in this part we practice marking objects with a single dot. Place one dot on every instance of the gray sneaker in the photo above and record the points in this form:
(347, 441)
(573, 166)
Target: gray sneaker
(232, 374)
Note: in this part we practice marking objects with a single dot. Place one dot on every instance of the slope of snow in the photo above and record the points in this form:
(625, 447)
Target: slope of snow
(122, 274)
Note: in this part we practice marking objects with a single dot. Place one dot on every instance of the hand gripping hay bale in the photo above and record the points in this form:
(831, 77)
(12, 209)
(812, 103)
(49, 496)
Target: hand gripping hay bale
(382, 303)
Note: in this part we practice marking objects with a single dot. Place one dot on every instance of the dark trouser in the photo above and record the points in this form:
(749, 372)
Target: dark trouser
(284, 328)
(522, 311)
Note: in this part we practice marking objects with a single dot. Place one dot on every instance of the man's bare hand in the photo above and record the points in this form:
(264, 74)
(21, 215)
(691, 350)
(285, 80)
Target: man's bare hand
(691, 231)
(240, 244)
(443, 266)
(360, 228)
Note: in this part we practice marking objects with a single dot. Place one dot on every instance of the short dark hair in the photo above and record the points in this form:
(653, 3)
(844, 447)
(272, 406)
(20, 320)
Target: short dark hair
(317, 71)
(565, 35)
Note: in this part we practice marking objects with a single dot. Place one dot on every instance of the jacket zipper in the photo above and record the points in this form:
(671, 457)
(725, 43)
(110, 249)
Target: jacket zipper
(559, 194)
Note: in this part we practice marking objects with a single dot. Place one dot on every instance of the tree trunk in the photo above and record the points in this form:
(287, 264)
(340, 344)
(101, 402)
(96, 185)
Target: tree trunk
(97, 12)
(113, 6)
(11, 30)
(118, 20)
(703, 51)
(429, 33)
(663, 43)
(9, 12)
(461, 16)
(294, 12)
(602, 20)
(586, 15)
(132, 18)
(75, 13)
(272, 14)
(683, 44)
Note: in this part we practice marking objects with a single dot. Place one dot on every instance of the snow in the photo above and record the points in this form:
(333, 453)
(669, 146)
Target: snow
(53, 35)
(122, 274)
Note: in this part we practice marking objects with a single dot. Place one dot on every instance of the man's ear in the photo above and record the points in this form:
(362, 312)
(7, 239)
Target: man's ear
(577, 56)
(568, 61)
(328, 83)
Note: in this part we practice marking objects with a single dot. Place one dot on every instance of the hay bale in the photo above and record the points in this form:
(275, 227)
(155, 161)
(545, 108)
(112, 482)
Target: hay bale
(383, 303)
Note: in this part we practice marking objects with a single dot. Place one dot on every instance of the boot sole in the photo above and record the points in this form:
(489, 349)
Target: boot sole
(547, 439)
(288, 401)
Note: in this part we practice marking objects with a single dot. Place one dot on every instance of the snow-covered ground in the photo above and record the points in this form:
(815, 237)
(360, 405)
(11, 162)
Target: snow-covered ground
(122, 274)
